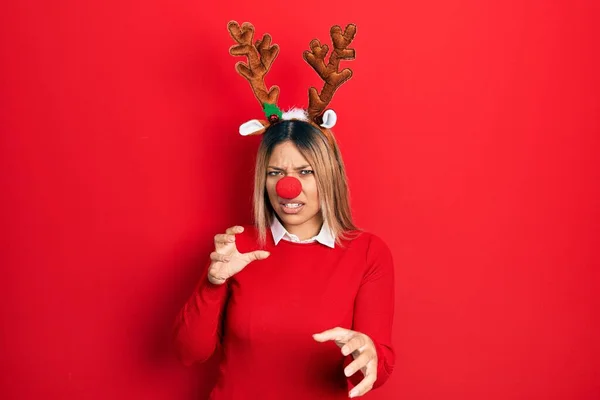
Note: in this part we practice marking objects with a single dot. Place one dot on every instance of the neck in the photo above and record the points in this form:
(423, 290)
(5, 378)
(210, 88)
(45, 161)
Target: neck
(306, 230)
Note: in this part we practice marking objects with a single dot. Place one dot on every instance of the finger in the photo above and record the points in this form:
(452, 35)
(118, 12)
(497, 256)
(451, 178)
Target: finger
(216, 280)
(367, 383)
(338, 334)
(356, 343)
(256, 255)
(360, 362)
(214, 256)
(222, 239)
(215, 276)
(234, 230)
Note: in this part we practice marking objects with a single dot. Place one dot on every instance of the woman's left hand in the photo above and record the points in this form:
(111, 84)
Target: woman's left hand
(363, 351)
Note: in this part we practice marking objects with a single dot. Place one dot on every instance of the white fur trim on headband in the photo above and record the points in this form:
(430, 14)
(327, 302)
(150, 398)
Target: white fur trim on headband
(329, 117)
(295, 113)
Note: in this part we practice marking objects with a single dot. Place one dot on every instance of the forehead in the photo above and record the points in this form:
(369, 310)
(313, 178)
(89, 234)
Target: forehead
(286, 154)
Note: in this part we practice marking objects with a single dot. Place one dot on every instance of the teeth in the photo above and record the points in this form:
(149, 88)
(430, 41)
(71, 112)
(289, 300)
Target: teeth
(293, 205)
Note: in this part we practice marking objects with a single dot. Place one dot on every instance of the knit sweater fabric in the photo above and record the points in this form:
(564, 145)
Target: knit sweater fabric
(262, 319)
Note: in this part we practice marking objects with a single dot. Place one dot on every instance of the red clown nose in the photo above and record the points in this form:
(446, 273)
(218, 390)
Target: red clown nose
(288, 187)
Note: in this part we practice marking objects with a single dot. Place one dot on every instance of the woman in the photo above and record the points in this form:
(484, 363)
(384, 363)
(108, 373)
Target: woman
(279, 296)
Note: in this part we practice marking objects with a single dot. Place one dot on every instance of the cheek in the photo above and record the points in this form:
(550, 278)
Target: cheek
(270, 188)
(311, 191)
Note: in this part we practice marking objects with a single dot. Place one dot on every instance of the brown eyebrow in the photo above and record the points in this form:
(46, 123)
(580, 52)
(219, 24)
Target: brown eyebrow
(297, 169)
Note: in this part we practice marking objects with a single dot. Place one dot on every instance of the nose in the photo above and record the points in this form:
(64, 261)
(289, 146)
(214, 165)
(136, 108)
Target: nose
(288, 187)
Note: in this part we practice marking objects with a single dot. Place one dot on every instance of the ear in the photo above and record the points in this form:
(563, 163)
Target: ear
(253, 127)
(329, 119)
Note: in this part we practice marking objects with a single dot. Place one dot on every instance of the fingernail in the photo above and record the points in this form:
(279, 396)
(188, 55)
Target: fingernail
(348, 371)
(353, 393)
(345, 351)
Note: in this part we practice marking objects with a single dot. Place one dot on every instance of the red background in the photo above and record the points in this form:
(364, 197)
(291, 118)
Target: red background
(470, 132)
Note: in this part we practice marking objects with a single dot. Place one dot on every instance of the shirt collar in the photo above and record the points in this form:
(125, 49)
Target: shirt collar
(325, 236)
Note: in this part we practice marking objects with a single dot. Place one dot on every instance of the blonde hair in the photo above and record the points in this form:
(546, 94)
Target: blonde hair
(324, 156)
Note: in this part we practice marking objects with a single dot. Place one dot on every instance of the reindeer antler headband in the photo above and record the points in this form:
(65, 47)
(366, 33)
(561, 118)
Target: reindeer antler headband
(260, 57)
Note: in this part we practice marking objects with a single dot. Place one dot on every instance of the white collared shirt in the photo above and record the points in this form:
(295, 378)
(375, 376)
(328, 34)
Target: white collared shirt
(324, 236)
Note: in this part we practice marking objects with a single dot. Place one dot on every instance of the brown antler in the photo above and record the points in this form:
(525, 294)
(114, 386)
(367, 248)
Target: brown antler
(257, 67)
(329, 73)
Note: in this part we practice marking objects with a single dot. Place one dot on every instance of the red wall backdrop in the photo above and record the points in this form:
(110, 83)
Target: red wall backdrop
(470, 133)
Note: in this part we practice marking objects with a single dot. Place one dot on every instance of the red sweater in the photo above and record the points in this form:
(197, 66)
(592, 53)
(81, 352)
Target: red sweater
(263, 318)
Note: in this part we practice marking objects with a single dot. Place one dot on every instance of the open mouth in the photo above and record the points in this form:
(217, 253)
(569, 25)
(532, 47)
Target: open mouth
(292, 208)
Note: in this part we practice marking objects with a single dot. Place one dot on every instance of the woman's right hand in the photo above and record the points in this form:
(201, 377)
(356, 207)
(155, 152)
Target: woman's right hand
(226, 260)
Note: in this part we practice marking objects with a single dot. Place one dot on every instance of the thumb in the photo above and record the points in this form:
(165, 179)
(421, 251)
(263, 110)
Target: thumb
(257, 255)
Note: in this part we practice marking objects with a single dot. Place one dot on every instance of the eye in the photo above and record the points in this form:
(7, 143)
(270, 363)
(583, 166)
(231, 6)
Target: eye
(306, 172)
(273, 173)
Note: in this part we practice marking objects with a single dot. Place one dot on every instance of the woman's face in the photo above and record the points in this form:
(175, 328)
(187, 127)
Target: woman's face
(302, 213)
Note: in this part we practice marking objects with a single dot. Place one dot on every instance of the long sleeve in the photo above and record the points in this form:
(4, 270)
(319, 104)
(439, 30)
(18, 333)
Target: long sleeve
(374, 310)
(198, 324)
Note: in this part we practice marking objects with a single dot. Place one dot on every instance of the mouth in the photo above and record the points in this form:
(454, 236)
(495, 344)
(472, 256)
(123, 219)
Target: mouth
(292, 207)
